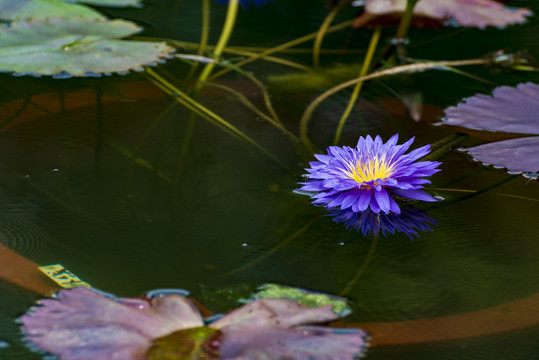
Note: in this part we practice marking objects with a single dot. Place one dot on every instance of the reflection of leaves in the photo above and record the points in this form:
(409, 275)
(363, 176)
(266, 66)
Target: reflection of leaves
(302, 296)
(83, 324)
(477, 13)
(75, 46)
(509, 109)
(43, 9)
(322, 79)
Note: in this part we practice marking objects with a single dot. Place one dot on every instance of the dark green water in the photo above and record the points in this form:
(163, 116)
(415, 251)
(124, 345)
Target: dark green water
(207, 218)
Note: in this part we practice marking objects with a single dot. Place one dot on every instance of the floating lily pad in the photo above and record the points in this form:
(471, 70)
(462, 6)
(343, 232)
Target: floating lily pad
(75, 47)
(111, 3)
(279, 329)
(509, 109)
(84, 324)
(43, 9)
(476, 13)
(517, 155)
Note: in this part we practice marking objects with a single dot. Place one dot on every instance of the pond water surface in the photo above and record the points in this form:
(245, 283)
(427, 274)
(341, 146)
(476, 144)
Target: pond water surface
(111, 178)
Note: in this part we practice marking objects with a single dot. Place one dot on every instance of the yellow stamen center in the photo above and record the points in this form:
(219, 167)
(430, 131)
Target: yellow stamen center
(372, 169)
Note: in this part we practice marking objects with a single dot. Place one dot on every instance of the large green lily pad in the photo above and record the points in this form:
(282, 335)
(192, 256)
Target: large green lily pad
(43, 9)
(75, 47)
(112, 3)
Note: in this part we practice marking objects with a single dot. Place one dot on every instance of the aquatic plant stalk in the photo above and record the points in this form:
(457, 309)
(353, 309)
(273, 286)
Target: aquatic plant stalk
(223, 40)
(405, 21)
(321, 33)
(204, 112)
(205, 30)
(204, 35)
(246, 52)
(442, 147)
(478, 192)
(272, 118)
(362, 268)
(357, 89)
(490, 193)
(436, 65)
(252, 107)
(284, 46)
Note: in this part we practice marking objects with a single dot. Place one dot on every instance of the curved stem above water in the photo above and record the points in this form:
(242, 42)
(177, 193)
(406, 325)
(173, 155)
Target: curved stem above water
(436, 65)
(357, 89)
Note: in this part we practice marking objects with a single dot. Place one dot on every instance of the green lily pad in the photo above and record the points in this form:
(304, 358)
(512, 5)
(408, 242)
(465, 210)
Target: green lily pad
(302, 296)
(43, 9)
(75, 47)
(111, 3)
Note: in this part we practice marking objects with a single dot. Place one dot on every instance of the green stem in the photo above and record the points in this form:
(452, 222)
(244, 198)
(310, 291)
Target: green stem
(357, 89)
(405, 21)
(490, 193)
(205, 33)
(284, 46)
(223, 40)
(442, 147)
(438, 65)
(363, 267)
(321, 33)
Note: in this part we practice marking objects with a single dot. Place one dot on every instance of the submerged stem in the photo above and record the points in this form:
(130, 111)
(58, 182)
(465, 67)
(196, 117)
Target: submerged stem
(275, 248)
(363, 267)
(199, 109)
(357, 89)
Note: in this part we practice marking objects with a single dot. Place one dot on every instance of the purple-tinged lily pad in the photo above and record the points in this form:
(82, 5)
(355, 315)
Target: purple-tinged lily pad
(509, 109)
(517, 155)
(83, 324)
(476, 13)
(278, 328)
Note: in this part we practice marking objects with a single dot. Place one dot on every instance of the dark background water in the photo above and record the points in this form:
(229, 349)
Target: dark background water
(207, 221)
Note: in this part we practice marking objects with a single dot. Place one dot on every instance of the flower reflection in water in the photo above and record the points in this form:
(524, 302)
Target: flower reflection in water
(370, 223)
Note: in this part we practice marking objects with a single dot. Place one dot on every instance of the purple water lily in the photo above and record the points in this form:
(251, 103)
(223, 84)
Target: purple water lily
(407, 222)
(367, 176)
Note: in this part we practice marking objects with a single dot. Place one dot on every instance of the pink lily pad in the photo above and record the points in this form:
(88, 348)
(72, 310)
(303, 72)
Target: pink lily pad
(475, 13)
(517, 155)
(509, 109)
(83, 324)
